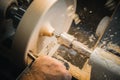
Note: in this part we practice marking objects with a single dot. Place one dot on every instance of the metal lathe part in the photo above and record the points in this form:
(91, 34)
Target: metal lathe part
(106, 66)
(71, 42)
(4, 6)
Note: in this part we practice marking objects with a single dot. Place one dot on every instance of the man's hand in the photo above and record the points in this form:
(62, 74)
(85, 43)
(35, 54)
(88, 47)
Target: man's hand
(46, 68)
